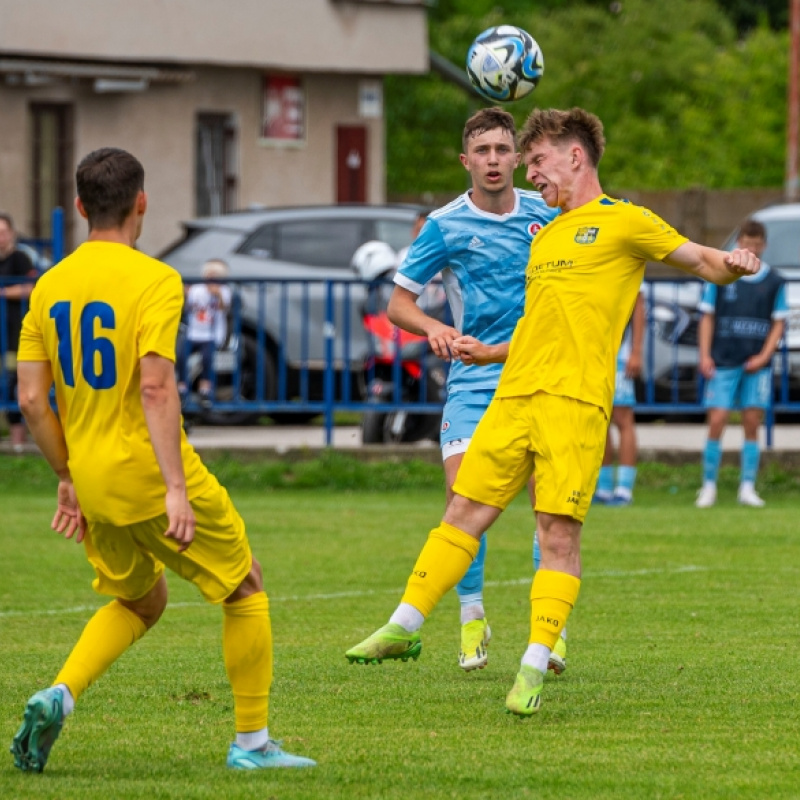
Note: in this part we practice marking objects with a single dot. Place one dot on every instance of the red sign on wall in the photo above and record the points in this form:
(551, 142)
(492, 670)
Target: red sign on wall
(284, 109)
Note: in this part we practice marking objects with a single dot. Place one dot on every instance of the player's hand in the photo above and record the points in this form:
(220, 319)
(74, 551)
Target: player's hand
(68, 518)
(755, 363)
(707, 367)
(440, 338)
(180, 517)
(470, 351)
(633, 369)
(742, 262)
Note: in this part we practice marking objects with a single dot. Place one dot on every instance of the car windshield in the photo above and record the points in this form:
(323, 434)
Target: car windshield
(783, 243)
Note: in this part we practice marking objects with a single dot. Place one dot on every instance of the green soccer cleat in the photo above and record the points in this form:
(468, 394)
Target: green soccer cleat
(475, 637)
(271, 756)
(558, 657)
(44, 716)
(392, 641)
(525, 696)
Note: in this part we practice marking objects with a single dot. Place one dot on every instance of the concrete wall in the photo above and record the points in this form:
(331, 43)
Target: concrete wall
(308, 35)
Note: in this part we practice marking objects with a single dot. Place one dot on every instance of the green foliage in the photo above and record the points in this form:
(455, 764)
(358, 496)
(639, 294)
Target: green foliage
(684, 103)
(666, 694)
(340, 472)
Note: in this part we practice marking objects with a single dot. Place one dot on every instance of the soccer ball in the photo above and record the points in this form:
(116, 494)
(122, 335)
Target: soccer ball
(504, 63)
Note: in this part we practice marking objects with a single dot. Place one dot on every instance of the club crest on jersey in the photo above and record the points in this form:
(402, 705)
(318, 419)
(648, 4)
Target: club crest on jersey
(534, 228)
(445, 426)
(586, 235)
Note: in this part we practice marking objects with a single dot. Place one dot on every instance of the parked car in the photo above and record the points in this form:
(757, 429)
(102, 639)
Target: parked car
(291, 246)
(674, 317)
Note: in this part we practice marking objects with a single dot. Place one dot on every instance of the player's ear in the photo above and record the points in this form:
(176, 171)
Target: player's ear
(518, 160)
(463, 159)
(81, 209)
(141, 203)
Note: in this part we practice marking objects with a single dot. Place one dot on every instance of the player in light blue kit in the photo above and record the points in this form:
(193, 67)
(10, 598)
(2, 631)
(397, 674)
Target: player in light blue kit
(480, 243)
(738, 334)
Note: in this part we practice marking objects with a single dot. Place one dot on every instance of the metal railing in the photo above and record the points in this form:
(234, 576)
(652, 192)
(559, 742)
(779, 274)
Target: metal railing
(300, 348)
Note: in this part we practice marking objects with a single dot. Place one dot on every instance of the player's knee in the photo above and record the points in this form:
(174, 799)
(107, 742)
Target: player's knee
(559, 536)
(253, 582)
(150, 607)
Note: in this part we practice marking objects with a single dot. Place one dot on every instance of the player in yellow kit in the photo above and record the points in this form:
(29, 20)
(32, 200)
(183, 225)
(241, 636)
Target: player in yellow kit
(550, 412)
(101, 327)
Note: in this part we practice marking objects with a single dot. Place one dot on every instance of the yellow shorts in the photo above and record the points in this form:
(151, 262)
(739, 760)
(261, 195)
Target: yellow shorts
(129, 560)
(558, 439)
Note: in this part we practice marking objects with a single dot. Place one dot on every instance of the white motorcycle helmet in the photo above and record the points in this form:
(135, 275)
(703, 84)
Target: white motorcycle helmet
(373, 260)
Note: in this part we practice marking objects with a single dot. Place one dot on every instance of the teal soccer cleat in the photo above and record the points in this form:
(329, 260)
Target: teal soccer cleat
(271, 756)
(44, 716)
(391, 642)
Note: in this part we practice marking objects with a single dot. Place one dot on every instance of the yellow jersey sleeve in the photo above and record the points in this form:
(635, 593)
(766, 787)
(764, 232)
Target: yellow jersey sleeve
(31, 341)
(160, 318)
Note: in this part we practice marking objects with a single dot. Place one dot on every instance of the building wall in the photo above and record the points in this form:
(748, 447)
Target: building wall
(159, 127)
(308, 35)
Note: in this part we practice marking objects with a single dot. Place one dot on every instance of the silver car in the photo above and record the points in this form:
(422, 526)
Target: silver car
(279, 331)
(674, 318)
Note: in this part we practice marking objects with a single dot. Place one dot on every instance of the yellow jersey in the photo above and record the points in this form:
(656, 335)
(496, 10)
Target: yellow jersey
(93, 316)
(584, 272)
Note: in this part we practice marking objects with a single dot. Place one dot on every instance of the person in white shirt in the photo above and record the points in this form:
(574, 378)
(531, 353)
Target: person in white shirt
(206, 311)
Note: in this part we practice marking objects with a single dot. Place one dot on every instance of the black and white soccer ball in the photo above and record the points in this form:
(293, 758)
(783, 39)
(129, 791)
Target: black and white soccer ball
(505, 63)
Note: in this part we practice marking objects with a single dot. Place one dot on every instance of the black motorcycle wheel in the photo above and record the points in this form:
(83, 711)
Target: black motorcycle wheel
(373, 425)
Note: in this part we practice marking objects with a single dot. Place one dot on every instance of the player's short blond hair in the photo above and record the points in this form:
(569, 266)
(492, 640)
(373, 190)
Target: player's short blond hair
(216, 268)
(560, 127)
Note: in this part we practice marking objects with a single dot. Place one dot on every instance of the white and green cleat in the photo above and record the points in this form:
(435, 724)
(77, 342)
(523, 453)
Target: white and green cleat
(392, 642)
(475, 638)
(558, 657)
(525, 696)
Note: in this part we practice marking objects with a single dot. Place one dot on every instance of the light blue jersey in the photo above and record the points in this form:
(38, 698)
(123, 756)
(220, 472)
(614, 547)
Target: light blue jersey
(482, 258)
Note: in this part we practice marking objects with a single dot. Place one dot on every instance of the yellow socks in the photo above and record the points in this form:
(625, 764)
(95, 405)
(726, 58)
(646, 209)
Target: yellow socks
(107, 635)
(247, 648)
(442, 563)
(553, 594)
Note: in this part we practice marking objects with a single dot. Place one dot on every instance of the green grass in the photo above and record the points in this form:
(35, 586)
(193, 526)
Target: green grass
(683, 662)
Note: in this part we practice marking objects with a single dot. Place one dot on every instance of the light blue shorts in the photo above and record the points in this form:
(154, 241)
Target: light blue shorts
(462, 412)
(624, 388)
(732, 387)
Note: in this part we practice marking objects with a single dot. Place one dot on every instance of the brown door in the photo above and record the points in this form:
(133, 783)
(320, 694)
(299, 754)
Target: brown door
(351, 164)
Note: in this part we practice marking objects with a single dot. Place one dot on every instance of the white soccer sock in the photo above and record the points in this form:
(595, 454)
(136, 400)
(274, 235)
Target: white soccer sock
(408, 617)
(537, 656)
(254, 740)
(68, 701)
(472, 611)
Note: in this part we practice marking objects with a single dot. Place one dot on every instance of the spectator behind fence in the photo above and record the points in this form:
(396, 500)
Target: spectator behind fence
(13, 264)
(740, 329)
(206, 312)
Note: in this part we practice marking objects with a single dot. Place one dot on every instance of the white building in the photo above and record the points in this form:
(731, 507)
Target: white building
(227, 103)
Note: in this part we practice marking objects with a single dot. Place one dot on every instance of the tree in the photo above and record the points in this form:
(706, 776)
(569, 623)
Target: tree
(683, 101)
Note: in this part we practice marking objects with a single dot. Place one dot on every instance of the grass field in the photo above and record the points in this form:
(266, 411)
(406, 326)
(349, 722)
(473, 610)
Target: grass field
(683, 663)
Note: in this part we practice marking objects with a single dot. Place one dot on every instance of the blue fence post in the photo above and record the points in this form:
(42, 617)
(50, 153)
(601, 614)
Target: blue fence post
(329, 333)
(57, 234)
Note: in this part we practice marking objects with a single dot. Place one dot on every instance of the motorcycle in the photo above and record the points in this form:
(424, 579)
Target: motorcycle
(400, 366)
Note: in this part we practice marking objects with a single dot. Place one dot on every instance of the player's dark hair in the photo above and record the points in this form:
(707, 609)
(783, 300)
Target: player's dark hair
(487, 119)
(108, 181)
(7, 218)
(754, 229)
(560, 127)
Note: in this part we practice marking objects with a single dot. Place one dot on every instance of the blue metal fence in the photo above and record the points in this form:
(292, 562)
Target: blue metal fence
(300, 349)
